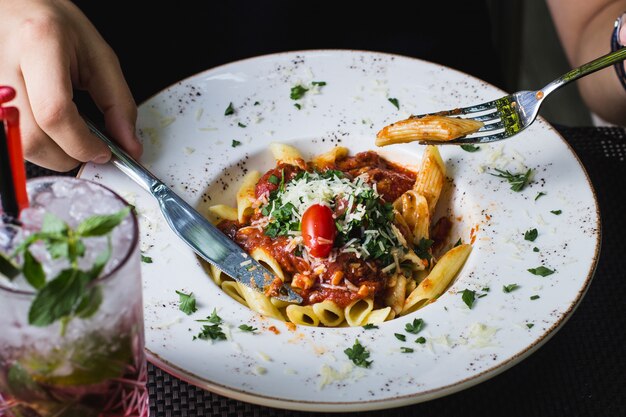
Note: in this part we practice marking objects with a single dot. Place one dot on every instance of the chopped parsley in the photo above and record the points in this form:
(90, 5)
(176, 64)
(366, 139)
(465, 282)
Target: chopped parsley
(146, 259)
(213, 332)
(187, 302)
(235, 143)
(298, 92)
(535, 249)
(539, 194)
(298, 106)
(423, 249)
(468, 297)
(370, 326)
(229, 110)
(319, 83)
(405, 349)
(364, 228)
(358, 355)
(534, 297)
(247, 328)
(530, 325)
(241, 124)
(509, 288)
(531, 235)
(395, 102)
(256, 103)
(213, 318)
(470, 148)
(415, 327)
(421, 340)
(458, 243)
(400, 337)
(273, 179)
(541, 270)
(517, 181)
(557, 212)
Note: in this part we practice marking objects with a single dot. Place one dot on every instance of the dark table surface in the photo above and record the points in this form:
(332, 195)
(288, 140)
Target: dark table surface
(580, 371)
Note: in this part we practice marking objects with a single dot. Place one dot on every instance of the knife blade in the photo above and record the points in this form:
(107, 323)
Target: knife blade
(194, 229)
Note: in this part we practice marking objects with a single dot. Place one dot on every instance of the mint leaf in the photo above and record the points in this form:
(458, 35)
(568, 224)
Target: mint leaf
(57, 298)
(89, 303)
(100, 261)
(101, 224)
(33, 271)
(53, 225)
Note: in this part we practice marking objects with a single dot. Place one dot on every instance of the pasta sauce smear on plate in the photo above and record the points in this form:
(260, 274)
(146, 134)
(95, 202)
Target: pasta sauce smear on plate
(351, 234)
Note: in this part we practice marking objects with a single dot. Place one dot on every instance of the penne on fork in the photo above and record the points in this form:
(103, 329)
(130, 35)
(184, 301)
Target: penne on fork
(429, 127)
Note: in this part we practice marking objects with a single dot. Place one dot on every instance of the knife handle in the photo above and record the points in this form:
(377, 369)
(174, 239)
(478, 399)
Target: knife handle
(126, 163)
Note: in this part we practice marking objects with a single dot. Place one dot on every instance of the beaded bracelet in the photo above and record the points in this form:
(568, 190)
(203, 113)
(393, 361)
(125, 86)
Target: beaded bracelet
(615, 45)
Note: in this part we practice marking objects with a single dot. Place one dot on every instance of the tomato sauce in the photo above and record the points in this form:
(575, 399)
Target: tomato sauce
(365, 276)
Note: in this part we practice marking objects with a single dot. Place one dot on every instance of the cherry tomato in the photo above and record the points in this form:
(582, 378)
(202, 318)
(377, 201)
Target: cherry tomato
(318, 230)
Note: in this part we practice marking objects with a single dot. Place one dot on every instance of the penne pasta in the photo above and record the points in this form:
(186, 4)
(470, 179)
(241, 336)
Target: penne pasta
(266, 259)
(438, 280)
(246, 195)
(304, 315)
(329, 313)
(432, 127)
(224, 212)
(357, 311)
(259, 302)
(286, 154)
(431, 177)
(362, 259)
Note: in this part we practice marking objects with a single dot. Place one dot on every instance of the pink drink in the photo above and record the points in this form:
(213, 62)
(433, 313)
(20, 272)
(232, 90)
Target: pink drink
(91, 364)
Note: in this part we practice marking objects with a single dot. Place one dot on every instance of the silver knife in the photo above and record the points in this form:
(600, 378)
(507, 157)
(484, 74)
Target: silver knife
(193, 228)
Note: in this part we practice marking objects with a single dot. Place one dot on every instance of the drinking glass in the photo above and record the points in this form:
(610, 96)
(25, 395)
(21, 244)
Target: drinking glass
(93, 363)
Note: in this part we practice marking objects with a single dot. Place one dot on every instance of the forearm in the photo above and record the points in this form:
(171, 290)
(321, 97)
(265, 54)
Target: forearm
(585, 27)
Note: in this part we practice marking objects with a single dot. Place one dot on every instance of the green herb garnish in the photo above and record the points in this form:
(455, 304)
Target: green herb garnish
(146, 259)
(229, 110)
(535, 249)
(319, 83)
(421, 340)
(415, 327)
(187, 302)
(531, 235)
(370, 326)
(458, 243)
(404, 349)
(400, 337)
(247, 328)
(235, 143)
(534, 297)
(213, 332)
(541, 270)
(213, 318)
(241, 124)
(298, 106)
(539, 194)
(557, 212)
(395, 102)
(468, 297)
(470, 148)
(298, 92)
(530, 325)
(517, 181)
(358, 355)
(509, 288)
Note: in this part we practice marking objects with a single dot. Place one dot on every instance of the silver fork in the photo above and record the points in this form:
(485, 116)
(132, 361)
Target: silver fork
(509, 115)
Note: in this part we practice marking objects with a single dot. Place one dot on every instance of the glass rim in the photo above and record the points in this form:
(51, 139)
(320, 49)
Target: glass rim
(123, 261)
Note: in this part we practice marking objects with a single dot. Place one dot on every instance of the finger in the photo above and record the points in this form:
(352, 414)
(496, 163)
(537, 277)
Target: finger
(49, 89)
(37, 147)
(108, 88)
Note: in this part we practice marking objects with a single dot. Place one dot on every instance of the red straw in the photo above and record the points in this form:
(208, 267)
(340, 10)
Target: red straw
(10, 117)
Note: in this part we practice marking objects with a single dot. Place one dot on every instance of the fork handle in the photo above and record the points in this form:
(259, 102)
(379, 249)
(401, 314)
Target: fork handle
(585, 69)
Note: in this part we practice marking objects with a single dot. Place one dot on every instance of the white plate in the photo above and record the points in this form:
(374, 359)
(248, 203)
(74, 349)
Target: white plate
(188, 144)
